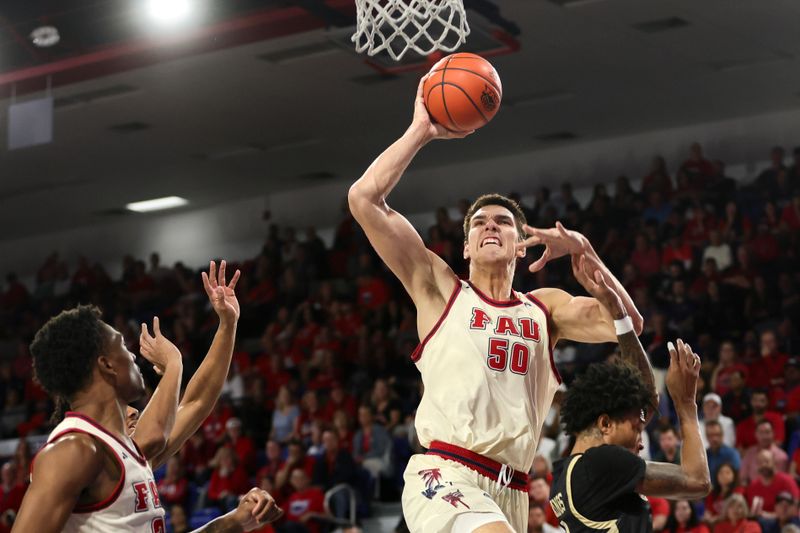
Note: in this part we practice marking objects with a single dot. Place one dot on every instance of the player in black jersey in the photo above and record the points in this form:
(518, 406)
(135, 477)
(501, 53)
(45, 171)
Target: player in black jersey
(602, 484)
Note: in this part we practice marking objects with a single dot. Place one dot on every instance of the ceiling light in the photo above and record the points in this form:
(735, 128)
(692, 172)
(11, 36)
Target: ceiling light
(157, 204)
(168, 10)
(45, 36)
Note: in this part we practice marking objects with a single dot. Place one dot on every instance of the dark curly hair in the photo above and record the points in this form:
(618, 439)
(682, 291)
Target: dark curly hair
(502, 201)
(614, 389)
(64, 351)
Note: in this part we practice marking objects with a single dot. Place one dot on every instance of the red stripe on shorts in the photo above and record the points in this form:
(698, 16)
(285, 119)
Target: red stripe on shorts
(477, 462)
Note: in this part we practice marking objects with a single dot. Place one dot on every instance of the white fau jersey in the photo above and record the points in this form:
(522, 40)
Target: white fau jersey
(489, 376)
(134, 504)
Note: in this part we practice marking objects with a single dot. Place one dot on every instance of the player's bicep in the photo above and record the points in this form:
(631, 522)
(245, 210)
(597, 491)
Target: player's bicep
(55, 488)
(667, 480)
(188, 419)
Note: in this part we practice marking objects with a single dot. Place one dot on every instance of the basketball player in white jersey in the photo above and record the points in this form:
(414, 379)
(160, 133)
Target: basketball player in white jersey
(91, 476)
(486, 350)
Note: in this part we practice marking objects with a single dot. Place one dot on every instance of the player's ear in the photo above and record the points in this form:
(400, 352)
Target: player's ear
(466, 250)
(105, 365)
(604, 424)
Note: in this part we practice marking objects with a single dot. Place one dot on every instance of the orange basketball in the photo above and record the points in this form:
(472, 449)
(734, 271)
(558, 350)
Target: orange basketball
(463, 92)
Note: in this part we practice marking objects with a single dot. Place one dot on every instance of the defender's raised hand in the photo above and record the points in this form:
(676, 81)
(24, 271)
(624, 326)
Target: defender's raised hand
(557, 241)
(221, 294)
(588, 273)
(156, 348)
(682, 376)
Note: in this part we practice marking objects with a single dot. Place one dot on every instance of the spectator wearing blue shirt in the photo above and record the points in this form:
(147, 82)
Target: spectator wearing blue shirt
(717, 452)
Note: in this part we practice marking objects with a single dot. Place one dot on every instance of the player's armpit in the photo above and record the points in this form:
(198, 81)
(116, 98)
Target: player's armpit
(55, 488)
(577, 318)
(667, 480)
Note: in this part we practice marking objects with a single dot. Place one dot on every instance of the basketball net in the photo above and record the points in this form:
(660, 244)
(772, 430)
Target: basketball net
(397, 26)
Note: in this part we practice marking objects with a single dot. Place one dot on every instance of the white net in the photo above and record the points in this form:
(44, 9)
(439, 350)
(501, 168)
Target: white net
(397, 26)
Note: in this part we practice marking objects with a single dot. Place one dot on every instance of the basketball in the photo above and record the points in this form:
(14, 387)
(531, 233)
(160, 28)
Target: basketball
(463, 92)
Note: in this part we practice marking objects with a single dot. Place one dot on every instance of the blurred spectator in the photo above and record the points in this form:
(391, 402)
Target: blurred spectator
(295, 458)
(785, 514)
(657, 180)
(539, 494)
(765, 438)
(746, 429)
(304, 509)
(11, 491)
(537, 520)
(697, 167)
(385, 406)
(659, 509)
(717, 452)
(763, 490)
(669, 447)
(712, 411)
(718, 250)
(736, 402)
(725, 483)
(372, 445)
(683, 518)
(273, 460)
(734, 518)
(335, 466)
(284, 416)
(178, 520)
(242, 444)
(767, 181)
(173, 489)
(228, 481)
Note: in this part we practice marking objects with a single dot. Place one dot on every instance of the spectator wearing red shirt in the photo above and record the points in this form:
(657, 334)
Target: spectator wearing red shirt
(746, 429)
(242, 444)
(659, 509)
(790, 216)
(295, 458)
(675, 250)
(339, 399)
(697, 167)
(767, 371)
(728, 363)
(657, 180)
(273, 460)
(173, 489)
(310, 411)
(11, 492)
(786, 399)
(766, 441)
(683, 519)
(735, 517)
(228, 481)
(645, 257)
(306, 505)
(764, 245)
(736, 403)
(762, 491)
(214, 425)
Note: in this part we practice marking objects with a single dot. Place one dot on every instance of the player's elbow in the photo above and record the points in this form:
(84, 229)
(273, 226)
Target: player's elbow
(638, 323)
(356, 199)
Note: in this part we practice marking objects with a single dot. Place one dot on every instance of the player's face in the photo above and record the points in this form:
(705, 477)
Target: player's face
(131, 418)
(627, 432)
(492, 236)
(129, 379)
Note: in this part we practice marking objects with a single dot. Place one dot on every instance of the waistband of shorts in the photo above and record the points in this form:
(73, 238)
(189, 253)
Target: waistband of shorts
(477, 462)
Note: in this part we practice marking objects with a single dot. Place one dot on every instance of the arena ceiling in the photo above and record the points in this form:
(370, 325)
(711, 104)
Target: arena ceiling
(263, 96)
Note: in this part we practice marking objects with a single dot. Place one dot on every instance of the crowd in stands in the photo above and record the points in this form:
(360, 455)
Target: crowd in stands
(322, 390)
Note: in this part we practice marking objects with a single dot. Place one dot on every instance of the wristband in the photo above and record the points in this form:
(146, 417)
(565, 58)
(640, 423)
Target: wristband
(623, 325)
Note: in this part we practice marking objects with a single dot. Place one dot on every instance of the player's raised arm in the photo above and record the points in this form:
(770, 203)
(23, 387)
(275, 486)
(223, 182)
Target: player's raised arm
(691, 480)
(156, 422)
(255, 509)
(576, 317)
(63, 470)
(206, 384)
(590, 276)
(390, 233)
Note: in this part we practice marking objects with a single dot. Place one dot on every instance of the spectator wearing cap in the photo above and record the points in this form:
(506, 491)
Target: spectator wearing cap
(785, 514)
(712, 412)
(765, 438)
(763, 490)
(717, 452)
(242, 444)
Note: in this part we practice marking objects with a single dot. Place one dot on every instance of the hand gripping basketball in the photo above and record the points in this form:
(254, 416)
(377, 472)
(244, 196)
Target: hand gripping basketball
(423, 120)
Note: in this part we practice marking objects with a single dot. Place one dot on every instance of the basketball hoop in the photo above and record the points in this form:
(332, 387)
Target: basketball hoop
(397, 26)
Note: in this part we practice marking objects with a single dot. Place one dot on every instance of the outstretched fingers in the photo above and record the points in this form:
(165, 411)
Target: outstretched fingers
(234, 279)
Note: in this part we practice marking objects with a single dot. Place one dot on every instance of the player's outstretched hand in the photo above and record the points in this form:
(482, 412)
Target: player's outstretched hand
(682, 376)
(222, 295)
(255, 509)
(588, 273)
(423, 119)
(557, 241)
(158, 349)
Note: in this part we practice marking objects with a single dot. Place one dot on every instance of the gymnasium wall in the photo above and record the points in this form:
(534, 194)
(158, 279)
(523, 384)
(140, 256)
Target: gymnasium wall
(236, 229)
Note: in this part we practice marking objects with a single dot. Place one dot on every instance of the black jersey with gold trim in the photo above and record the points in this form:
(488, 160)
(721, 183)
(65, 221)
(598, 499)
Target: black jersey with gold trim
(596, 492)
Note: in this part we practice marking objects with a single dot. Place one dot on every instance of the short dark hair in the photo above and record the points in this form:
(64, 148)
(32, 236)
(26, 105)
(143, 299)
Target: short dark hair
(614, 389)
(502, 201)
(765, 421)
(714, 423)
(64, 350)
